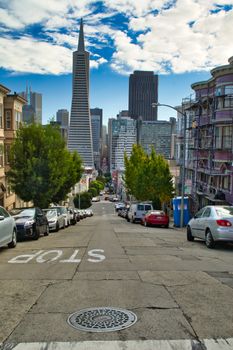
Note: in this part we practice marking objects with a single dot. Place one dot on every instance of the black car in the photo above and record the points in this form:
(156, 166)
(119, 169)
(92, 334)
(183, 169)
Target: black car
(30, 222)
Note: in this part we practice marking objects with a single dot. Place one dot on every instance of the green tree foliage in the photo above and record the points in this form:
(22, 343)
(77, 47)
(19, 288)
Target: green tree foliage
(85, 200)
(148, 177)
(41, 167)
(73, 175)
(101, 179)
(93, 191)
(97, 185)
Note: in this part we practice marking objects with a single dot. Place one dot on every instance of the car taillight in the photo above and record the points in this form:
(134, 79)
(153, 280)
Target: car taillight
(223, 223)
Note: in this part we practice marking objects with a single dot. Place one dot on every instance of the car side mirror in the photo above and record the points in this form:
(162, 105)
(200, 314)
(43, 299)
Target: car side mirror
(2, 218)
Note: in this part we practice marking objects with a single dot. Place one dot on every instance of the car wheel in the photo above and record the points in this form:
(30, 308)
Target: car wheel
(57, 227)
(36, 234)
(190, 237)
(47, 231)
(209, 241)
(13, 243)
(167, 226)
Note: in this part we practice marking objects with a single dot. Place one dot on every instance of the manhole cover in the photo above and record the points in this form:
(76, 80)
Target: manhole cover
(102, 319)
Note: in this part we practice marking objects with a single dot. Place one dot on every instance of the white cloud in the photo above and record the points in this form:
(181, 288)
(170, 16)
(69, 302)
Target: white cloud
(188, 35)
(173, 41)
(28, 55)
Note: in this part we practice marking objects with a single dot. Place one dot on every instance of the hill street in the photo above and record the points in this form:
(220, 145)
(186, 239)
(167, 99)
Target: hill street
(181, 292)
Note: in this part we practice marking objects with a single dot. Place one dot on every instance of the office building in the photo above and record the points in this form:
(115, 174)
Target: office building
(80, 133)
(32, 110)
(96, 124)
(62, 117)
(157, 134)
(143, 93)
(122, 136)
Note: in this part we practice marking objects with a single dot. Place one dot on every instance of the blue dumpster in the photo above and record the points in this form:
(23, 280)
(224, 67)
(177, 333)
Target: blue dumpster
(177, 210)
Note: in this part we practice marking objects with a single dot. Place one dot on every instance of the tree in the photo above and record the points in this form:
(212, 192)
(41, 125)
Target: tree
(41, 165)
(148, 177)
(85, 200)
(73, 175)
(93, 191)
(98, 185)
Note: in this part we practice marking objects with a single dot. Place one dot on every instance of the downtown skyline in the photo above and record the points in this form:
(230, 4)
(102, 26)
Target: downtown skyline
(178, 40)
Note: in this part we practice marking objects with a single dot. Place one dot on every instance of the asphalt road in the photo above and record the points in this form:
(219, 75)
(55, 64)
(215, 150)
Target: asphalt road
(180, 291)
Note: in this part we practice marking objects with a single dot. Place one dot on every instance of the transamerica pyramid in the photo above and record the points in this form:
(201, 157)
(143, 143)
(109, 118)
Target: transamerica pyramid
(80, 134)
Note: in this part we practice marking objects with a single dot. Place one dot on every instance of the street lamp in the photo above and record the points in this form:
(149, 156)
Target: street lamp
(154, 104)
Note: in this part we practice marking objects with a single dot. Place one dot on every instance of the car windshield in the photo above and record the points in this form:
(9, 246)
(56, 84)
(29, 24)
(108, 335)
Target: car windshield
(224, 211)
(51, 213)
(23, 212)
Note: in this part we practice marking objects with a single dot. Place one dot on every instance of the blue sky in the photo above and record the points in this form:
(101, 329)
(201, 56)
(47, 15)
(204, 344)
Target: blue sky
(180, 40)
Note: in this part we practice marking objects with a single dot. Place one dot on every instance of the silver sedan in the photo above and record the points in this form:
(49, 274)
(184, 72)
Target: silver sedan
(55, 219)
(8, 233)
(212, 224)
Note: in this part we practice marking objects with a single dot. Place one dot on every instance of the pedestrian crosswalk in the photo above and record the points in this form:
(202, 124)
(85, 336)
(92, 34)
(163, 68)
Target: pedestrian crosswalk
(186, 344)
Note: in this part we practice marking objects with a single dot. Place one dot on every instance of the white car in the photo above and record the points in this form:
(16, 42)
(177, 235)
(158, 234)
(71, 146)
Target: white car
(55, 219)
(63, 211)
(213, 224)
(8, 233)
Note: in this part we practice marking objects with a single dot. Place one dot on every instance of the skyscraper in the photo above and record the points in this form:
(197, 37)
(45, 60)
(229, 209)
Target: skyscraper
(80, 133)
(63, 121)
(143, 91)
(96, 125)
(32, 111)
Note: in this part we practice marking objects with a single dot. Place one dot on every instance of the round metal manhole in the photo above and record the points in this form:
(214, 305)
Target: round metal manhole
(102, 319)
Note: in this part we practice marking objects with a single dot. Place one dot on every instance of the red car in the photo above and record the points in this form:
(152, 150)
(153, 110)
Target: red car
(156, 218)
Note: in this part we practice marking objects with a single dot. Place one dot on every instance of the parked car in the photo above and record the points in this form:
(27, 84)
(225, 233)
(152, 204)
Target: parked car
(119, 206)
(89, 212)
(55, 219)
(8, 234)
(212, 224)
(77, 214)
(30, 222)
(81, 214)
(63, 211)
(95, 199)
(155, 218)
(72, 213)
(137, 211)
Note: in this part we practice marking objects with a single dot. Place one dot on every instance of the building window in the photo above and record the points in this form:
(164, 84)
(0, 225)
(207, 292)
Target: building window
(1, 118)
(228, 90)
(1, 155)
(17, 119)
(7, 153)
(223, 137)
(227, 137)
(218, 91)
(226, 183)
(8, 120)
(228, 102)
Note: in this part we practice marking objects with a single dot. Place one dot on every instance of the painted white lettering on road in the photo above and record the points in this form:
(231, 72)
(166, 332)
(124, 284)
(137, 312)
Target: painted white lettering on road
(41, 259)
(23, 259)
(48, 256)
(98, 257)
(72, 259)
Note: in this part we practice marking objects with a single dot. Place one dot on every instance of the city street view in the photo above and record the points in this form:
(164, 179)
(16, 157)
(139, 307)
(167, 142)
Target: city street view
(116, 175)
(178, 290)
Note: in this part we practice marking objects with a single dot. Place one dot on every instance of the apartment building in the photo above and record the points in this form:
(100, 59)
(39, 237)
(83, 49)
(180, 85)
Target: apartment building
(10, 118)
(209, 139)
